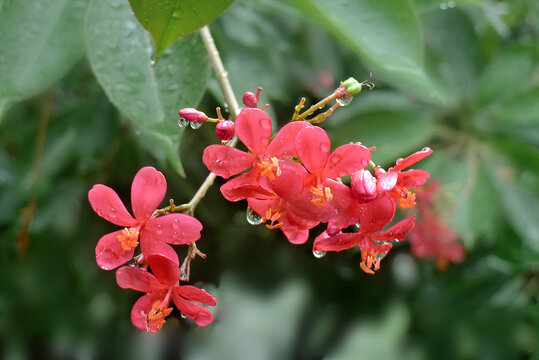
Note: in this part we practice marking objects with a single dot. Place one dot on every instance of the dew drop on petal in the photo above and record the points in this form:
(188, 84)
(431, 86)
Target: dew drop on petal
(182, 122)
(319, 254)
(345, 101)
(253, 218)
(175, 223)
(159, 229)
(195, 125)
(324, 147)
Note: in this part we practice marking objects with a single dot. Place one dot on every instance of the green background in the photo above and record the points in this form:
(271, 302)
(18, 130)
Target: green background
(83, 101)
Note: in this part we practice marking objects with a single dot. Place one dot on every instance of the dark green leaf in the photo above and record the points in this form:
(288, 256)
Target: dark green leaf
(41, 40)
(120, 54)
(169, 20)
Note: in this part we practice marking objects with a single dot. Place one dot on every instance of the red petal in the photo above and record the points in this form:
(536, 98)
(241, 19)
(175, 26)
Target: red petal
(109, 253)
(413, 178)
(338, 242)
(289, 184)
(346, 160)
(195, 294)
(363, 186)
(177, 229)
(129, 277)
(166, 271)
(398, 231)
(147, 192)
(243, 187)
(150, 246)
(386, 181)
(296, 235)
(139, 311)
(283, 144)
(108, 205)
(225, 161)
(412, 159)
(376, 214)
(199, 313)
(253, 127)
(313, 146)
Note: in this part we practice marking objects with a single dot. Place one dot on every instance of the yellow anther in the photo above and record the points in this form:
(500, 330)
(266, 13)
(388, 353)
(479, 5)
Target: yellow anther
(274, 216)
(406, 197)
(268, 166)
(157, 314)
(128, 238)
(321, 195)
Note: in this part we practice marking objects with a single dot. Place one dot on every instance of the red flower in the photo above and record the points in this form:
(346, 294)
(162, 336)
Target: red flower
(253, 127)
(147, 192)
(150, 311)
(374, 245)
(313, 147)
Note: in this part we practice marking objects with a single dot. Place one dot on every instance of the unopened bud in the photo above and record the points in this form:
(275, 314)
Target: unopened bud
(352, 86)
(363, 186)
(250, 99)
(225, 130)
(193, 115)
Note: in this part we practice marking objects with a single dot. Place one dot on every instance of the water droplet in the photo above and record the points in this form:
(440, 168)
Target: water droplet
(196, 125)
(176, 14)
(253, 218)
(182, 122)
(443, 6)
(345, 101)
(159, 229)
(380, 256)
(451, 4)
(426, 149)
(175, 223)
(335, 159)
(265, 124)
(324, 147)
(183, 316)
(319, 254)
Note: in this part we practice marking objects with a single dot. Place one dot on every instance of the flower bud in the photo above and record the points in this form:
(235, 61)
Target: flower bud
(225, 130)
(193, 115)
(363, 186)
(250, 99)
(352, 86)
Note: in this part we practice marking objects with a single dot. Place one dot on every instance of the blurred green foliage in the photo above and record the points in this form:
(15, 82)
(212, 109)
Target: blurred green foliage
(82, 103)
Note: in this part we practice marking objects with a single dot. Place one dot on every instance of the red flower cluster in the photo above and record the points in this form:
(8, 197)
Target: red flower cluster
(293, 182)
(431, 238)
(154, 233)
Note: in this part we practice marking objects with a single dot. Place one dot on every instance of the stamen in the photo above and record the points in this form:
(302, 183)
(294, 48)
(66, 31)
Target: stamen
(155, 318)
(321, 195)
(268, 166)
(129, 238)
(406, 197)
(370, 259)
(274, 216)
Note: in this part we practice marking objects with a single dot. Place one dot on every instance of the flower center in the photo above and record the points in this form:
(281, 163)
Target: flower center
(406, 197)
(128, 238)
(368, 260)
(267, 166)
(321, 195)
(156, 316)
(274, 216)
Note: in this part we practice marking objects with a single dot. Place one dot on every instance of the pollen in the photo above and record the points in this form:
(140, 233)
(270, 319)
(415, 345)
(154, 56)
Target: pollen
(128, 238)
(157, 314)
(274, 216)
(321, 195)
(406, 197)
(367, 262)
(270, 168)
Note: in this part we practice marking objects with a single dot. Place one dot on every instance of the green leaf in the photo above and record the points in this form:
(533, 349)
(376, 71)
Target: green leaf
(425, 6)
(383, 33)
(41, 40)
(169, 20)
(120, 54)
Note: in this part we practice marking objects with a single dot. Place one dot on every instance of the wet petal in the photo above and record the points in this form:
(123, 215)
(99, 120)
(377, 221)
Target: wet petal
(195, 294)
(282, 146)
(130, 277)
(177, 229)
(147, 192)
(243, 187)
(412, 159)
(313, 146)
(413, 178)
(289, 184)
(139, 311)
(165, 270)
(253, 127)
(225, 161)
(107, 204)
(386, 181)
(198, 313)
(151, 246)
(337, 242)
(398, 231)
(346, 160)
(376, 214)
(363, 185)
(109, 253)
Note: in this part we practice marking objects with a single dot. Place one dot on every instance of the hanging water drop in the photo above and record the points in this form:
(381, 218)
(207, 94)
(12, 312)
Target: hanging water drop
(195, 125)
(319, 254)
(182, 122)
(253, 218)
(345, 101)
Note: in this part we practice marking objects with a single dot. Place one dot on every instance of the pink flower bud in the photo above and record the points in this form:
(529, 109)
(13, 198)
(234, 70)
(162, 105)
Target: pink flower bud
(193, 115)
(250, 99)
(225, 130)
(364, 186)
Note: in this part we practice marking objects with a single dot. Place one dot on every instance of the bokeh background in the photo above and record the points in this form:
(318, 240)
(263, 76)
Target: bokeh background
(80, 105)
